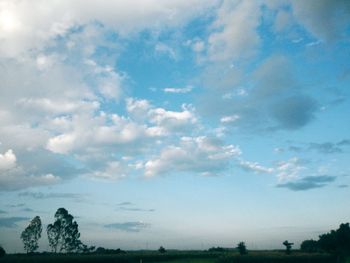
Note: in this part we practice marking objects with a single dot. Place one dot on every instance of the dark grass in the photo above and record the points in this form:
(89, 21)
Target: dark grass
(174, 257)
(277, 257)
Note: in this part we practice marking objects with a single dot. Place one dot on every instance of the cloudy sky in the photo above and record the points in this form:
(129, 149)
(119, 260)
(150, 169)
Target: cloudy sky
(182, 123)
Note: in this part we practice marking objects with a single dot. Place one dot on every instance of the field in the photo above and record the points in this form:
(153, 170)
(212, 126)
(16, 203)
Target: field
(175, 257)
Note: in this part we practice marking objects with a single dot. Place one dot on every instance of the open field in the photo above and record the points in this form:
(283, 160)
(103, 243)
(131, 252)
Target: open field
(175, 257)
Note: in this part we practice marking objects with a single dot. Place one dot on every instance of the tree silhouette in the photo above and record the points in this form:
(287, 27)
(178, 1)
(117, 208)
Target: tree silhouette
(288, 246)
(242, 248)
(161, 250)
(2, 252)
(310, 246)
(31, 234)
(336, 241)
(63, 234)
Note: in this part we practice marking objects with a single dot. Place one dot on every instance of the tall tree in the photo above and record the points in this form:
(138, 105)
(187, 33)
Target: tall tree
(53, 235)
(64, 234)
(242, 248)
(31, 234)
(2, 252)
(288, 246)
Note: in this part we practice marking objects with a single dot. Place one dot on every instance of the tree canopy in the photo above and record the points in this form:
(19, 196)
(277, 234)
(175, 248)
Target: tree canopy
(64, 234)
(31, 234)
(336, 241)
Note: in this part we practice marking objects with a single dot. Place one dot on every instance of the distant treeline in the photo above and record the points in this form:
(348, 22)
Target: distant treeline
(64, 237)
(335, 242)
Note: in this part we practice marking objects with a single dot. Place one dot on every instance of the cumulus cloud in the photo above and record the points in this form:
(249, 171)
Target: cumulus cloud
(41, 168)
(175, 121)
(203, 155)
(230, 41)
(98, 131)
(7, 160)
(26, 26)
(308, 183)
(17, 179)
(138, 108)
(114, 170)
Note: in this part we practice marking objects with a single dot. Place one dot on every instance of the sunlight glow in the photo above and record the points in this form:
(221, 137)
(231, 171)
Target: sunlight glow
(8, 21)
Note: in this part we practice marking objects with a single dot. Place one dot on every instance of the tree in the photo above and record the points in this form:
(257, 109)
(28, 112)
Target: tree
(63, 234)
(242, 248)
(336, 241)
(53, 235)
(31, 234)
(309, 246)
(288, 246)
(161, 250)
(2, 252)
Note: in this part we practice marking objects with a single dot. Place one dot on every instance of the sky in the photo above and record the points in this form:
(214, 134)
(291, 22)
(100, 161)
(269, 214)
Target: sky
(182, 123)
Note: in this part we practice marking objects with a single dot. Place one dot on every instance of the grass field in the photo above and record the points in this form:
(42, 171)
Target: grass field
(175, 257)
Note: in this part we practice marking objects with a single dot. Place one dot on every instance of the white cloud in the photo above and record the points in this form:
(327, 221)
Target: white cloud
(236, 33)
(228, 119)
(113, 171)
(57, 106)
(138, 108)
(17, 178)
(254, 166)
(62, 143)
(178, 90)
(289, 170)
(14, 176)
(31, 25)
(175, 121)
(202, 155)
(7, 160)
(99, 132)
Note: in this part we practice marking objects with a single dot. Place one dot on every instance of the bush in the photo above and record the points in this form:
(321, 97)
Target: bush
(309, 246)
(2, 251)
(217, 249)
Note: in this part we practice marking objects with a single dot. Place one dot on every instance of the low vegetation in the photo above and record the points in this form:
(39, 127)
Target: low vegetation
(175, 257)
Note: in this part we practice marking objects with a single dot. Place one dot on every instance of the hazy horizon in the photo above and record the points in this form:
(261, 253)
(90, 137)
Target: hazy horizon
(186, 124)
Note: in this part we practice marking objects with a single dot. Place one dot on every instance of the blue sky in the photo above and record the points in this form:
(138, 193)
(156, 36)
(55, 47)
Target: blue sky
(187, 124)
